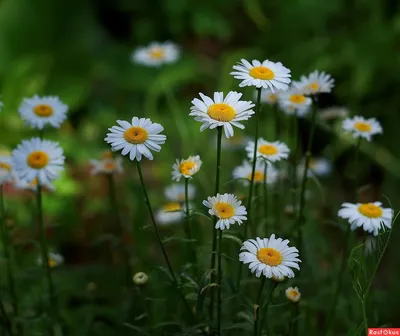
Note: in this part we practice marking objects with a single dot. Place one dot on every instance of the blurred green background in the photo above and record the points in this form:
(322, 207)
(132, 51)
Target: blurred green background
(80, 51)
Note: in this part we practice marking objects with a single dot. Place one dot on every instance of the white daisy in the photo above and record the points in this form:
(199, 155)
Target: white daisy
(316, 82)
(244, 172)
(270, 256)
(269, 75)
(370, 216)
(267, 96)
(317, 166)
(170, 213)
(107, 164)
(186, 167)
(293, 294)
(23, 185)
(6, 172)
(176, 192)
(54, 259)
(38, 112)
(271, 151)
(226, 112)
(140, 278)
(334, 112)
(294, 101)
(156, 54)
(136, 138)
(227, 208)
(36, 158)
(361, 127)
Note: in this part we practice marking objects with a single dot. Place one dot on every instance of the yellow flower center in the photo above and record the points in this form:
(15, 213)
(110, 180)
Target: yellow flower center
(268, 150)
(5, 166)
(221, 112)
(269, 256)
(313, 86)
(362, 126)
(312, 163)
(43, 110)
(172, 207)
(52, 263)
(258, 176)
(107, 155)
(370, 210)
(294, 294)
(272, 98)
(224, 210)
(38, 159)
(157, 53)
(262, 73)
(186, 166)
(110, 165)
(297, 98)
(136, 135)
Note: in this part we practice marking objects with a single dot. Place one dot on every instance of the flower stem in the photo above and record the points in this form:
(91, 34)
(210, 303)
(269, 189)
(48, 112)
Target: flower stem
(187, 226)
(253, 170)
(164, 252)
(301, 219)
(6, 319)
(265, 188)
(45, 255)
(364, 314)
(214, 243)
(294, 168)
(257, 306)
(115, 213)
(275, 284)
(219, 281)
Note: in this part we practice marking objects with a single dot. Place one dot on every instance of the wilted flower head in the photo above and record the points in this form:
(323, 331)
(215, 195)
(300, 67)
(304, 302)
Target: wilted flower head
(293, 294)
(140, 278)
(186, 167)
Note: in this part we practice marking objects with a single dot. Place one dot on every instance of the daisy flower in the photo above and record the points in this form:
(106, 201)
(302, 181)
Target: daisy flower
(226, 112)
(245, 170)
(176, 192)
(37, 158)
(266, 74)
(23, 185)
(227, 208)
(107, 164)
(334, 112)
(361, 127)
(270, 256)
(271, 151)
(170, 213)
(293, 294)
(290, 110)
(136, 138)
(38, 112)
(156, 54)
(54, 259)
(140, 278)
(6, 172)
(294, 101)
(370, 216)
(317, 166)
(316, 82)
(267, 96)
(186, 167)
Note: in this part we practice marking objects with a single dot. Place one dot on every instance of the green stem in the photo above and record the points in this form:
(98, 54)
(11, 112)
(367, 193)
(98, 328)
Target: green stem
(6, 319)
(294, 168)
(265, 185)
(301, 219)
(115, 213)
(264, 320)
(164, 252)
(187, 226)
(45, 256)
(214, 243)
(257, 306)
(253, 170)
(7, 254)
(364, 314)
(219, 281)
(355, 166)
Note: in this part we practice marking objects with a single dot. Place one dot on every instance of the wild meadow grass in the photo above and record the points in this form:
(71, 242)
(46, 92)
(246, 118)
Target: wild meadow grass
(203, 217)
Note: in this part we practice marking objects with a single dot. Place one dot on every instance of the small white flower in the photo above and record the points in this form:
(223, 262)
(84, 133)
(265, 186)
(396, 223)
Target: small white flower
(225, 112)
(268, 97)
(370, 216)
(136, 138)
(140, 278)
(54, 259)
(38, 112)
(36, 158)
(293, 294)
(186, 167)
(317, 166)
(170, 213)
(244, 172)
(270, 256)
(271, 151)
(266, 74)
(107, 164)
(6, 172)
(361, 127)
(23, 185)
(227, 208)
(316, 82)
(156, 54)
(176, 192)
(334, 112)
(294, 101)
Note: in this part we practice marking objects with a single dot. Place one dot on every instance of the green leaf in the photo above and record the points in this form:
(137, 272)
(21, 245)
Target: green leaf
(232, 237)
